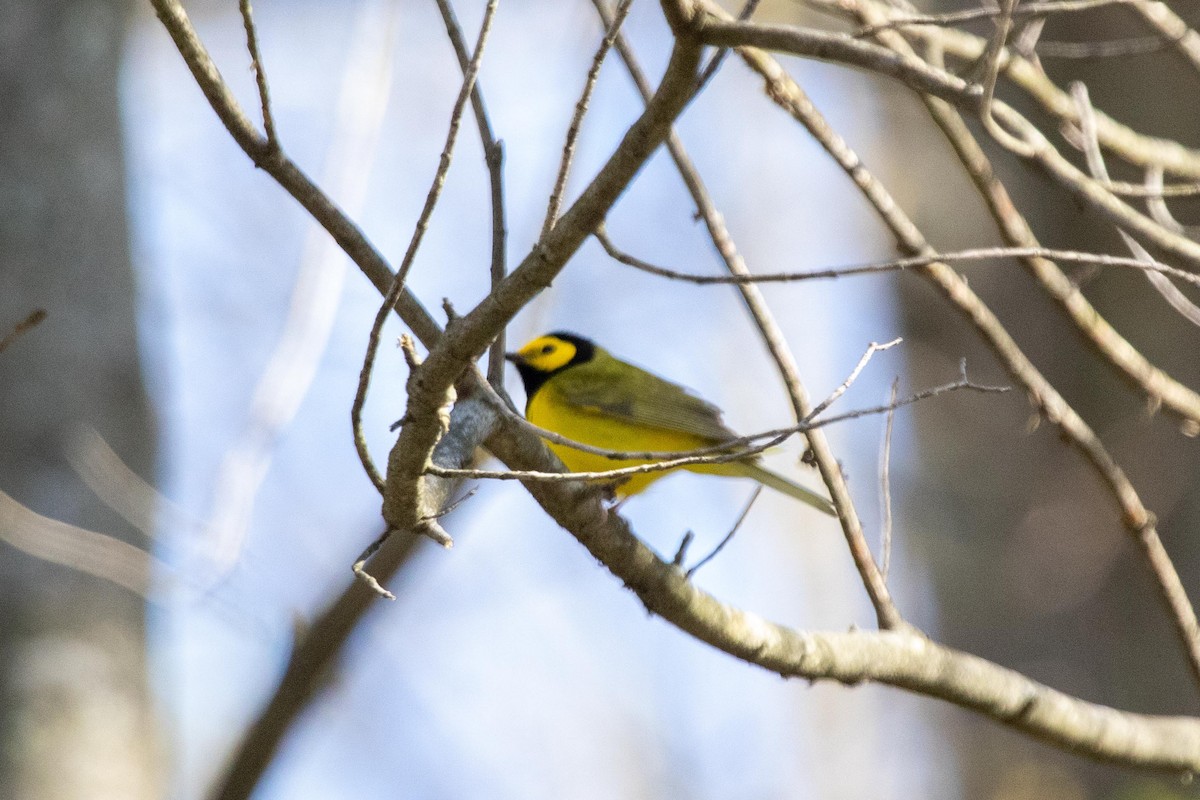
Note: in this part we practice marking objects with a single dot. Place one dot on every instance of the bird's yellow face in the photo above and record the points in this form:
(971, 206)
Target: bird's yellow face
(546, 354)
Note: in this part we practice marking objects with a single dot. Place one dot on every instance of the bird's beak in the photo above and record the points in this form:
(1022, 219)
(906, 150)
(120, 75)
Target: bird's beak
(514, 358)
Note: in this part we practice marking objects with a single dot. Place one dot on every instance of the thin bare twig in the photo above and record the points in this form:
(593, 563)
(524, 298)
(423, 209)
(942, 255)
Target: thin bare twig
(872, 349)
(885, 483)
(718, 58)
(990, 64)
(260, 74)
(1156, 200)
(1159, 191)
(900, 264)
(493, 154)
(581, 108)
(1025, 10)
(1105, 48)
(736, 526)
(359, 567)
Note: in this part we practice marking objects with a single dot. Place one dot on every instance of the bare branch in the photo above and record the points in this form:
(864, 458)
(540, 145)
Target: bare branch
(718, 58)
(840, 48)
(1138, 521)
(312, 657)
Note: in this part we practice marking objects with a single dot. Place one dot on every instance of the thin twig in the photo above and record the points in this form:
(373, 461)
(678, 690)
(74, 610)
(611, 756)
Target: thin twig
(1105, 48)
(682, 550)
(885, 484)
(900, 264)
(21, 328)
(718, 58)
(1144, 190)
(260, 74)
(991, 66)
(872, 349)
(493, 154)
(1156, 200)
(360, 564)
(972, 14)
(581, 108)
(431, 200)
(499, 263)
(721, 545)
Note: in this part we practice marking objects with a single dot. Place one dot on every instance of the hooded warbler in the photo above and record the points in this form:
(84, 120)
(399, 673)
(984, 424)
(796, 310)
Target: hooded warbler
(578, 390)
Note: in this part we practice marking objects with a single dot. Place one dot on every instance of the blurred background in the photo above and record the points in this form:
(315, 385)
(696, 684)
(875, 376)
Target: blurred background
(188, 395)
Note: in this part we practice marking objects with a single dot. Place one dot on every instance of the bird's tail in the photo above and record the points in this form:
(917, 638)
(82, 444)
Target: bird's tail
(781, 484)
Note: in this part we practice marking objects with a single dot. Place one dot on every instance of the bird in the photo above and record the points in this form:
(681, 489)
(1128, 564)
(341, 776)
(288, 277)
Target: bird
(577, 389)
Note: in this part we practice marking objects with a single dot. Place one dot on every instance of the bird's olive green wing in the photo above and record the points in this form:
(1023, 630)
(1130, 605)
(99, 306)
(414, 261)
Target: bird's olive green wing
(610, 386)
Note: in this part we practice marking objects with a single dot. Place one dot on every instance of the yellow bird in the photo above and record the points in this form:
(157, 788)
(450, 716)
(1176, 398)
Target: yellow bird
(578, 390)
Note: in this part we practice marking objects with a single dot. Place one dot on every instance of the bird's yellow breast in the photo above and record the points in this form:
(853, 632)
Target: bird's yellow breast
(550, 410)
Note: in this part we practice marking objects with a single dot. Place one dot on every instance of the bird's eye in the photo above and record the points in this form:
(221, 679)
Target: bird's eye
(547, 349)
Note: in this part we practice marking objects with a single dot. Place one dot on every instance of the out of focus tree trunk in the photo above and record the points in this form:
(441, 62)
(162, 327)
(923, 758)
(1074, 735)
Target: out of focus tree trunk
(76, 719)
